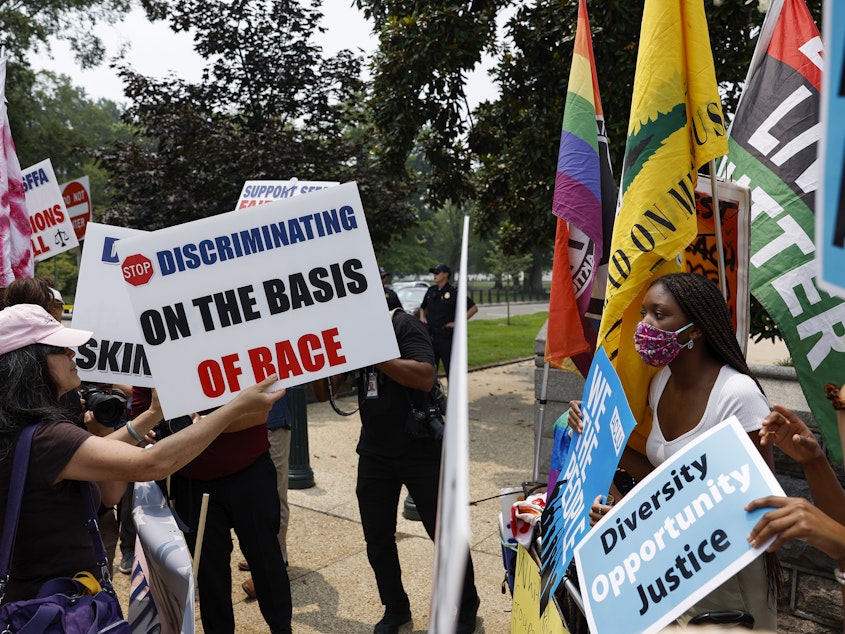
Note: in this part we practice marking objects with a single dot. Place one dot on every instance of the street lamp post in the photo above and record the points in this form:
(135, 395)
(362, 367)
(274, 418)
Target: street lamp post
(300, 473)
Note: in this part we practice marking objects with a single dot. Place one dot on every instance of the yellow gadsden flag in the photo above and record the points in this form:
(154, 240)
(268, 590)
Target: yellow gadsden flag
(676, 126)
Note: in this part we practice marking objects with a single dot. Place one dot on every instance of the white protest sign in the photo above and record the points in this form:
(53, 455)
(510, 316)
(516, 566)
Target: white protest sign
(225, 301)
(77, 197)
(453, 533)
(115, 352)
(52, 231)
(677, 536)
(262, 192)
(165, 565)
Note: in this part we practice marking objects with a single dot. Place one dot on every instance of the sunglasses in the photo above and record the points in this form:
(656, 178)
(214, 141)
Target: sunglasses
(56, 350)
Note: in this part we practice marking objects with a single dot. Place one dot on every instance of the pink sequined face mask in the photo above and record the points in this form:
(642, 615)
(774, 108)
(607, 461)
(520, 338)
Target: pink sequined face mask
(659, 347)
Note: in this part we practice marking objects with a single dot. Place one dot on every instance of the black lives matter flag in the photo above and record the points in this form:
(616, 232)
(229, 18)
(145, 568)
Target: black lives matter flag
(773, 145)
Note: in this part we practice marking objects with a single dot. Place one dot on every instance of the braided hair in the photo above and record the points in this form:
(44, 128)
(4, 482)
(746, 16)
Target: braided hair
(702, 301)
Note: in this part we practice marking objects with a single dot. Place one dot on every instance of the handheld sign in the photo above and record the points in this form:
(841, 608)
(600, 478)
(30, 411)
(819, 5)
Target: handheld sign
(262, 192)
(588, 471)
(830, 218)
(52, 231)
(77, 197)
(453, 534)
(115, 352)
(162, 597)
(225, 301)
(678, 535)
(526, 589)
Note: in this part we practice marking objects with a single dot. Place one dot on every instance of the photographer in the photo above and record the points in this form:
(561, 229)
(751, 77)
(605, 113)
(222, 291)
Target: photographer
(400, 443)
(103, 412)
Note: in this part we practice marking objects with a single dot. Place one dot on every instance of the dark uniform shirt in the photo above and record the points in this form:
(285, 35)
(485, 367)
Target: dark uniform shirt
(383, 418)
(392, 299)
(439, 304)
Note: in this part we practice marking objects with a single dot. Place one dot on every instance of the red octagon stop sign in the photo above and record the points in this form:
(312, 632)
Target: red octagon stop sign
(137, 269)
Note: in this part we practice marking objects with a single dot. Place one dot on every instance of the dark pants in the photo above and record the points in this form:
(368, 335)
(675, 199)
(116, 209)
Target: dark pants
(379, 485)
(442, 344)
(127, 524)
(248, 502)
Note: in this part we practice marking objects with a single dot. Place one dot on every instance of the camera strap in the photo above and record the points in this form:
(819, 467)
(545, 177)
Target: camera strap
(334, 404)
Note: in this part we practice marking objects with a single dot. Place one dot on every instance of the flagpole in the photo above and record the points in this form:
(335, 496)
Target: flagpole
(538, 431)
(717, 218)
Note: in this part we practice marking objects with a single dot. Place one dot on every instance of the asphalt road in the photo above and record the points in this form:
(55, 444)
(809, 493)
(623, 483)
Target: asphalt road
(500, 311)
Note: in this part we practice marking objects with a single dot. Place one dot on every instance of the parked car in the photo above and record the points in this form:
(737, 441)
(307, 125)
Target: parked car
(419, 283)
(411, 297)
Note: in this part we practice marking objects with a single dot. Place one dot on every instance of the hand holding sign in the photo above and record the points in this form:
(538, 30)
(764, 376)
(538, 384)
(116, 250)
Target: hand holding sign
(256, 401)
(796, 518)
(677, 536)
(289, 287)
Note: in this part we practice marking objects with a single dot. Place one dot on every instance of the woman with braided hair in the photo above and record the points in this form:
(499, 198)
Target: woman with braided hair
(686, 330)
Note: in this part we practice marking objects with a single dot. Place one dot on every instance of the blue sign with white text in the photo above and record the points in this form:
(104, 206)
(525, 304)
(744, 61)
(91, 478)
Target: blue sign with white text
(678, 535)
(587, 473)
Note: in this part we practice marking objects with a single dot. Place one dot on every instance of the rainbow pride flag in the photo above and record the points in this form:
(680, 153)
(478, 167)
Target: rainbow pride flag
(584, 199)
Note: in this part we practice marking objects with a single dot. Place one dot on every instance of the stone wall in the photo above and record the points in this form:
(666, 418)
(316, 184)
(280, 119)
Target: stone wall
(811, 602)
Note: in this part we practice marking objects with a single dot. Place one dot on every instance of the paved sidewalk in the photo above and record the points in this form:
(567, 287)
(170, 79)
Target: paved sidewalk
(333, 588)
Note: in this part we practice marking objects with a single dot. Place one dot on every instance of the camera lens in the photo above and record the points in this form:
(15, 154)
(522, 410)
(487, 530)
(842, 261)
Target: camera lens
(108, 409)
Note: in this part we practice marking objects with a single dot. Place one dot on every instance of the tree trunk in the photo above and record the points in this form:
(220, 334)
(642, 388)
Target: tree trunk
(534, 279)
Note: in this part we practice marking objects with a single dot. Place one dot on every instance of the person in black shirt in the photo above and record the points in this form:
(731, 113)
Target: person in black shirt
(389, 457)
(437, 311)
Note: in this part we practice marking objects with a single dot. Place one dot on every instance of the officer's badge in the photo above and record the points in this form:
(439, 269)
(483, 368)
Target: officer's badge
(447, 295)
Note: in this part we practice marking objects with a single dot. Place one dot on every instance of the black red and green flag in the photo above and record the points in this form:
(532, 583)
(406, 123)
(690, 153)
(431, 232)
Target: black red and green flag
(773, 150)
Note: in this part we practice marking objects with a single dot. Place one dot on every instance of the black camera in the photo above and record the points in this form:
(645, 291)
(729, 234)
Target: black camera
(108, 409)
(168, 427)
(425, 423)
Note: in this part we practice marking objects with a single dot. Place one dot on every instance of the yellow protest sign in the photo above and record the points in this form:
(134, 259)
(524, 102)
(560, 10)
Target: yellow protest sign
(525, 618)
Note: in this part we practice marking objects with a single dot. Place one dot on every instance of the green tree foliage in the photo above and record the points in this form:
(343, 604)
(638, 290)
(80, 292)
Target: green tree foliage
(62, 123)
(269, 107)
(419, 99)
(64, 269)
(29, 24)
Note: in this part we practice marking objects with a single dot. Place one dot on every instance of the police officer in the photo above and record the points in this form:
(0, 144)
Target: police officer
(389, 294)
(437, 311)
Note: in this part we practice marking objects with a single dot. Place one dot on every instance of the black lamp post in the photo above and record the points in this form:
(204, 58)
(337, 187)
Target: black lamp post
(300, 473)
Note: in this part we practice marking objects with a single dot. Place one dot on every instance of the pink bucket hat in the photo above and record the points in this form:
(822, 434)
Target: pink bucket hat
(22, 325)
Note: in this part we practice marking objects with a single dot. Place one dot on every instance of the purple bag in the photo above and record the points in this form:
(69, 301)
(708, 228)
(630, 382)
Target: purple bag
(65, 613)
(61, 606)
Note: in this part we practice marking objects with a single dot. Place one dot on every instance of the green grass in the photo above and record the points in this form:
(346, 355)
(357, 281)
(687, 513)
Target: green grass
(493, 340)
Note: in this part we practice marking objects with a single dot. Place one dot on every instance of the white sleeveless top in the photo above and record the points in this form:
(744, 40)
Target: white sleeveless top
(733, 394)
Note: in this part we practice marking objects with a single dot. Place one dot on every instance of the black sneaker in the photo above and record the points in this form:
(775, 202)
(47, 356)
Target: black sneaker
(467, 619)
(126, 563)
(392, 619)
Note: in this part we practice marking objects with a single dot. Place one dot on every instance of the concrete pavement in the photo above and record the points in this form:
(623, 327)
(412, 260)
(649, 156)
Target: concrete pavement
(332, 585)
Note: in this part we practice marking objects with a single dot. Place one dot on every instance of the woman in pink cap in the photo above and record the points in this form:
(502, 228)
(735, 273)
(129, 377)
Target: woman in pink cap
(36, 367)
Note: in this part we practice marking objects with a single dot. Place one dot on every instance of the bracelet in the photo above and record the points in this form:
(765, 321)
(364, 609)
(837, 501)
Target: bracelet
(839, 576)
(831, 390)
(133, 433)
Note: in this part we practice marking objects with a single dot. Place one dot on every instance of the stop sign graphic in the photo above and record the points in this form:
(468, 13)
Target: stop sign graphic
(78, 205)
(137, 269)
